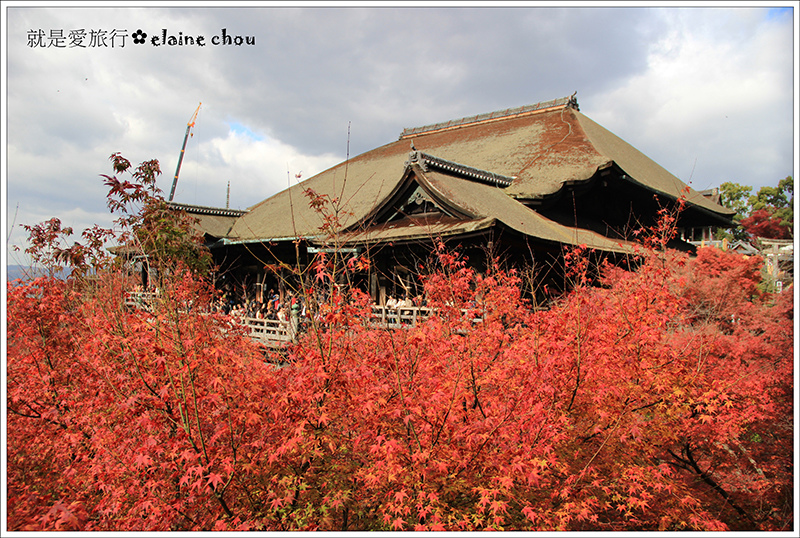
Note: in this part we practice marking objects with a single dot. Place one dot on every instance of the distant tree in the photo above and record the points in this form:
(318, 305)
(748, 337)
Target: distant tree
(773, 207)
(736, 197)
(765, 222)
(768, 213)
(777, 197)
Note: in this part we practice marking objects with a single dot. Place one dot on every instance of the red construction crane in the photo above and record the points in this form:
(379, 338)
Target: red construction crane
(183, 149)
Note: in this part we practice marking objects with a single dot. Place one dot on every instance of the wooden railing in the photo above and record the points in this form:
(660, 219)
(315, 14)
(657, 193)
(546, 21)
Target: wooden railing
(276, 333)
(140, 299)
(271, 332)
(396, 318)
(404, 316)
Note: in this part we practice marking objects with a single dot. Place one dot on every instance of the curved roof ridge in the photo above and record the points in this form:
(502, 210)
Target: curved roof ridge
(206, 210)
(562, 102)
(426, 160)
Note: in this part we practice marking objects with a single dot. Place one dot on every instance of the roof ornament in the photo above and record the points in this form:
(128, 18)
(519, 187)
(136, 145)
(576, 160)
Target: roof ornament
(416, 157)
(573, 101)
(206, 210)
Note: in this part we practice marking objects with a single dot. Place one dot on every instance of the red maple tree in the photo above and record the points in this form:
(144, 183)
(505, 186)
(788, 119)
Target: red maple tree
(658, 398)
(764, 223)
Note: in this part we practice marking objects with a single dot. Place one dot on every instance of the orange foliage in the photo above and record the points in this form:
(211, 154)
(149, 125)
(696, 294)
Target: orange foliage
(659, 401)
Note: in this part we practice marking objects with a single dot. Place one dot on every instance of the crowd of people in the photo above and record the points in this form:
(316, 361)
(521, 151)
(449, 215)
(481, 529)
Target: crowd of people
(293, 311)
(269, 307)
(277, 306)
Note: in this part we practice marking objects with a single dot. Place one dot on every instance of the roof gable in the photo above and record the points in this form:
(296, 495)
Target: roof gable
(410, 198)
(463, 203)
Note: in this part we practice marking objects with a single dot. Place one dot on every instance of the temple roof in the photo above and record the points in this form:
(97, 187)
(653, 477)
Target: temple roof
(490, 165)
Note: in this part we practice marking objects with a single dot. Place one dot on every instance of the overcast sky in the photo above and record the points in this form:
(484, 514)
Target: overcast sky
(707, 93)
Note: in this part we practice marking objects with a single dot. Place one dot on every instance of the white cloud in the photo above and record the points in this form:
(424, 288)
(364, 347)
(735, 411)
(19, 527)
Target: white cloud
(257, 166)
(711, 84)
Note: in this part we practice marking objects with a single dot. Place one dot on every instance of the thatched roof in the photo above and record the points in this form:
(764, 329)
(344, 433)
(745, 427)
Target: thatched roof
(531, 153)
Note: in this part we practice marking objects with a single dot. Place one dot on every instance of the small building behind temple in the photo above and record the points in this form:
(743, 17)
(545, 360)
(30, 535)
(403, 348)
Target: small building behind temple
(516, 185)
(703, 233)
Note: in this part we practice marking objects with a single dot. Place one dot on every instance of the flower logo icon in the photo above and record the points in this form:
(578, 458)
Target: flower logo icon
(139, 37)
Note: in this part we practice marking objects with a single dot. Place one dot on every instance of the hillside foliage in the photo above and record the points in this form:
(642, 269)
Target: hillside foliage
(659, 398)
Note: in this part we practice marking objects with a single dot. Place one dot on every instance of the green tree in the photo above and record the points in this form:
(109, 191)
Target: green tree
(768, 203)
(778, 201)
(736, 197)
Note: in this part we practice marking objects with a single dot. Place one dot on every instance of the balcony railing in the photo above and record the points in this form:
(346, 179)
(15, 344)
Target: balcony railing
(271, 332)
(277, 333)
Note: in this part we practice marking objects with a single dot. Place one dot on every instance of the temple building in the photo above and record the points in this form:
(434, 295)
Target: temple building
(516, 185)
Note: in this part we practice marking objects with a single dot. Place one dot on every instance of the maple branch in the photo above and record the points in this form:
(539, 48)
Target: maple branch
(36, 415)
(345, 514)
(449, 409)
(679, 462)
(407, 418)
(477, 402)
(233, 447)
(139, 373)
(223, 504)
(578, 360)
(660, 400)
(60, 425)
(102, 372)
(485, 441)
(183, 409)
(690, 463)
(217, 494)
(185, 515)
(197, 416)
(619, 420)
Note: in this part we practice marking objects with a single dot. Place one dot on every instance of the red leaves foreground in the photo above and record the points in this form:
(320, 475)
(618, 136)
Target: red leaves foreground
(661, 400)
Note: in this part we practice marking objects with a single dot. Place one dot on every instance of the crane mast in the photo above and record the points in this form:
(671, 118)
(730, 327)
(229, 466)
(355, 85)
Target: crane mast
(189, 127)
